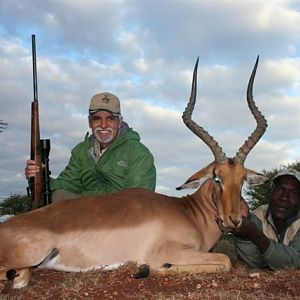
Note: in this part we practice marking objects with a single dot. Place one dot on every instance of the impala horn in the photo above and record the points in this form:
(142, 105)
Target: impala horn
(217, 151)
(220, 156)
(260, 121)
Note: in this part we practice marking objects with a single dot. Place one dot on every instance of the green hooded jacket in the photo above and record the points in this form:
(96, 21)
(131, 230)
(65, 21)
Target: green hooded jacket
(126, 163)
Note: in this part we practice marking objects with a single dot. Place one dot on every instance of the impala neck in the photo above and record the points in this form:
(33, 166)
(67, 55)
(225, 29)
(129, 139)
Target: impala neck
(202, 210)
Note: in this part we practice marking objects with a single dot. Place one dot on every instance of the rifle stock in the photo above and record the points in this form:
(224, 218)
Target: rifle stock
(36, 155)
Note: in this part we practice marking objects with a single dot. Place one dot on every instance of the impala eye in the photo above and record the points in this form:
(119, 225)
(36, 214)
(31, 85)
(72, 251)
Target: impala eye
(217, 179)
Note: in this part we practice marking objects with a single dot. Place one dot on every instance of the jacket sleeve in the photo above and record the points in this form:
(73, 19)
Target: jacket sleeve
(280, 256)
(141, 172)
(248, 251)
(69, 178)
(277, 256)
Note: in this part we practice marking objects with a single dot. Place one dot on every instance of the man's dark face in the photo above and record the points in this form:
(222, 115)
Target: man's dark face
(284, 197)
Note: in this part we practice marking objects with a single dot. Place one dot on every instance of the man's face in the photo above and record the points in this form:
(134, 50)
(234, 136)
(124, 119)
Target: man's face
(284, 197)
(105, 126)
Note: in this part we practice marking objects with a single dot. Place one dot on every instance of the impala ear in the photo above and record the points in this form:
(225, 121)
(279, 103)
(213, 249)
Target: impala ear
(193, 183)
(254, 178)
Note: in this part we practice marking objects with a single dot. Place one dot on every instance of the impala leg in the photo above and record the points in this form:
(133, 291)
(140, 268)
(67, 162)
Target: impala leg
(195, 268)
(198, 263)
(18, 278)
(3, 274)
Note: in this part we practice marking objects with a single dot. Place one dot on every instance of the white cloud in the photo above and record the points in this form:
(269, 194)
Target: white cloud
(145, 53)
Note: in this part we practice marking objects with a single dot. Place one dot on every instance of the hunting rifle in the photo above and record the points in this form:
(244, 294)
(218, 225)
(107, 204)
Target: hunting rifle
(39, 185)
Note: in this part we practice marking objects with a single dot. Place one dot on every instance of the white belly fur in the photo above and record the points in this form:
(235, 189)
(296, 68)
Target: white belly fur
(104, 249)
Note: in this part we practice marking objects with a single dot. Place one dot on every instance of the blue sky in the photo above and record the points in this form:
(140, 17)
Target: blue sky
(145, 51)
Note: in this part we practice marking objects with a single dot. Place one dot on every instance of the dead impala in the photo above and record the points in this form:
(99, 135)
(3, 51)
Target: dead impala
(160, 233)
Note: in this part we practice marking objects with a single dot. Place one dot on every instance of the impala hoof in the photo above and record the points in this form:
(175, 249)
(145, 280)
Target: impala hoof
(18, 278)
(167, 265)
(143, 271)
(11, 274)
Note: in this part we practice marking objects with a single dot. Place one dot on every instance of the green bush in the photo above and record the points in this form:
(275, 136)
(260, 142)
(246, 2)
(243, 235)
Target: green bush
(15, 204)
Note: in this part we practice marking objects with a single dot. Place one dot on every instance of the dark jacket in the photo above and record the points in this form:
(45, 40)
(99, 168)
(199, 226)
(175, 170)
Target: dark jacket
(283, 251)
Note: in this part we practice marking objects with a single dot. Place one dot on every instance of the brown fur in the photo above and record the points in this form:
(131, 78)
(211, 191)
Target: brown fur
(132, 225)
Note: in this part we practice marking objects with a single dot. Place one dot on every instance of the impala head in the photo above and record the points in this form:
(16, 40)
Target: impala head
(227, 174)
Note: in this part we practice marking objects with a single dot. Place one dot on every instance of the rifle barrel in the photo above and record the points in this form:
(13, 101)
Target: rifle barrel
(34, 69)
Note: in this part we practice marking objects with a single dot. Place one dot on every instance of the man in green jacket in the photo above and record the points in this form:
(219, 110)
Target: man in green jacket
(269, 237)
(112, 158)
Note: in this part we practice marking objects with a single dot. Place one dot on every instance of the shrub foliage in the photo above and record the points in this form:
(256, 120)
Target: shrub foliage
(15, 204)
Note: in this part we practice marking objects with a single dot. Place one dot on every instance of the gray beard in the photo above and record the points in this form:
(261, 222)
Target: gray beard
(104, 140)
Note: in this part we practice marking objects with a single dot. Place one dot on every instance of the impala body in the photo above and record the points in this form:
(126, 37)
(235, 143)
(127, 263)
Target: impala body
(161, 232)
